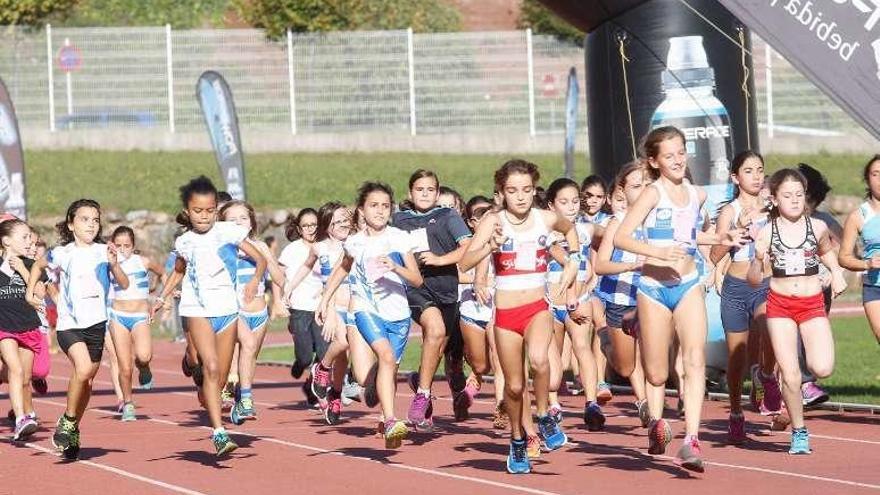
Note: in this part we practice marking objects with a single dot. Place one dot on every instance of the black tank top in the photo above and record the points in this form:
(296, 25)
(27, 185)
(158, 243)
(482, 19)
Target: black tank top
(796, 261)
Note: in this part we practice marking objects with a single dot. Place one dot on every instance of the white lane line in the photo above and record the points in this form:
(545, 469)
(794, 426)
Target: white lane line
(320, 450)
(121, 472)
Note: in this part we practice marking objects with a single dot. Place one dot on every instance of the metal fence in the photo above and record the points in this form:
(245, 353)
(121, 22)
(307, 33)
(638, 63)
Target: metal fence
(335, 82)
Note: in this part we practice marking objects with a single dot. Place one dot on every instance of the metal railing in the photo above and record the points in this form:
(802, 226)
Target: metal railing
(336, 82)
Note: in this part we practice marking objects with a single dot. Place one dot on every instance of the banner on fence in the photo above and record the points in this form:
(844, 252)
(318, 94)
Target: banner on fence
(218, 108)
(13, 197)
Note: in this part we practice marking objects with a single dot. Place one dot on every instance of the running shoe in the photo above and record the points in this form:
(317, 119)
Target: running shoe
(553, 436)
(40, 386)
(128, 412)
(463, 401)
(644, 412)
(518, 459)
(593, 417)
(533, 447)
(813, 394)
(395, 432)
(333, 411)
(800, 442)
(371, 396)
(772, 403)
(555, 412)
(311, 399)
(603, 393)
(455, 377)
(145, 377)
(320, 383)
(418, 413)
(736, 429)
(756, 392)
(227, 400)
(186, 368)
(689, 455)
(66, 434)
(780, 421)
(24, 428)
(198, 375)
(576, 387)
(242, 411)
(351, 392)
(500, 420)
(659, 436)
(223, 444)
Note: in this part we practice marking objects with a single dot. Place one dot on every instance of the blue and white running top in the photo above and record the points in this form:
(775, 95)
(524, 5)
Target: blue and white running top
(209, 286)
(377, 290)
(83, 275)
(621, 288)
(469, 307)
(244, 273)
(585, 239)
(329, 253)
(870, 235)
(671, 225)
(600, 218)
(138, 281)
(747, 252)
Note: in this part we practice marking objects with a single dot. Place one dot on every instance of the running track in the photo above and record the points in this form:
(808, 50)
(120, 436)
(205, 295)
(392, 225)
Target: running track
(167, 450)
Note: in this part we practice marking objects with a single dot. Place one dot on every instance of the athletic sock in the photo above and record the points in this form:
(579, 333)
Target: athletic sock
(220, 430)
(425, 392)
(245, 393)
(72, 419)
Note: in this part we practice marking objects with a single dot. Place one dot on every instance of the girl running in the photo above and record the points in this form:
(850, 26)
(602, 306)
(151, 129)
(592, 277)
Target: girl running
(129, 316)
(20, 336)
(572, 312)
(440, 237)
(308, 344)
(207, 257)
(518, 238)
(620, 272)
(253, 316)
(670, 297)
(743, 308)
(594, 198)
(793, 245)
(864, 225)
(476, 294)
(384, 267)
(328, 373)
(83, 267)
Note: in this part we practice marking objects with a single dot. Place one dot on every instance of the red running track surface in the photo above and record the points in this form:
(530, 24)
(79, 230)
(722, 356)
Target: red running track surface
(290, 448)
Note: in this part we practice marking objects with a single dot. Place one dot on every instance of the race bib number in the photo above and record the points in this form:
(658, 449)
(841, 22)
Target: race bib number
(795, 262)
(374, 269)
(420, 240)
(683, 224)
(526, 256)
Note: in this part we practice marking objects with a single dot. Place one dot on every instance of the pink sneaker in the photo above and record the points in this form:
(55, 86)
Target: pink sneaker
(813, 395)
(418, 413)
(690, 455)
(772, 403)
(736, 429)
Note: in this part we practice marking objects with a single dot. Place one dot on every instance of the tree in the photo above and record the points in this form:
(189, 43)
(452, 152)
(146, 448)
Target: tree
(535, 15)
(33, 12)
(276, 16)
(181, 14)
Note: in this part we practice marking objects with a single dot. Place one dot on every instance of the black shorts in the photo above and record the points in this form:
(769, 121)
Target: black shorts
(92, 337)
(419, 301)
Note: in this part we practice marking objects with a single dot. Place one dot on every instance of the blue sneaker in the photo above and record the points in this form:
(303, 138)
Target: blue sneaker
(553, 436)
(800, 442)
(517, 460)
(593, 417)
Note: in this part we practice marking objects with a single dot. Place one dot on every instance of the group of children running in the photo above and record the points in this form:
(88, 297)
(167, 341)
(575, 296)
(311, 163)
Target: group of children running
(525, 285)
